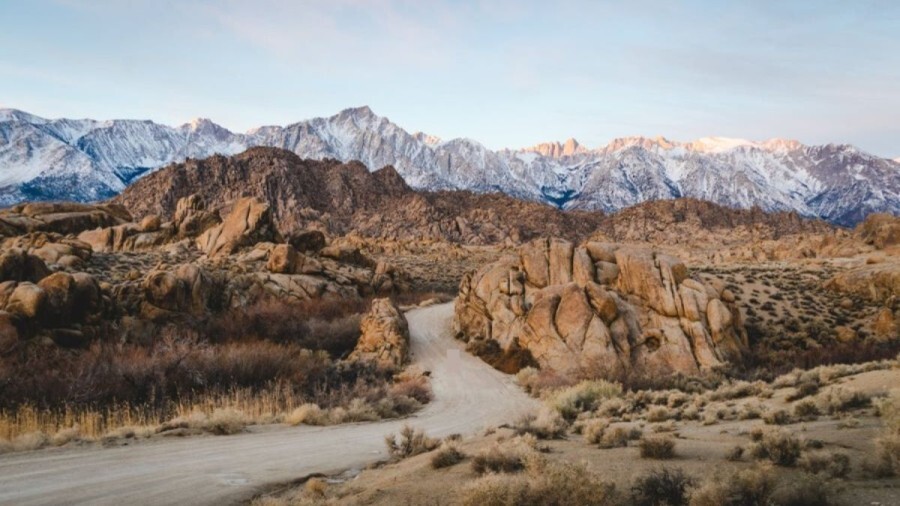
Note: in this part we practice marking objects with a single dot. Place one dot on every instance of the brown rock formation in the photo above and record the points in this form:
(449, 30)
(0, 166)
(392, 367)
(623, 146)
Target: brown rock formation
(248, 223)
(61, 218)
(573, 310)
(384, 336)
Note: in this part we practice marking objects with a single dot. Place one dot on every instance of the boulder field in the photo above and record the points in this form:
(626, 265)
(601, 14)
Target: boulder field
(69, 272)
(600, 308)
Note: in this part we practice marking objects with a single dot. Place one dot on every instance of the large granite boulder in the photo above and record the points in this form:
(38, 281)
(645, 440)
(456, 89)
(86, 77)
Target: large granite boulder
(600, 308)
(192, 217)
(384, 336)
(249, 222)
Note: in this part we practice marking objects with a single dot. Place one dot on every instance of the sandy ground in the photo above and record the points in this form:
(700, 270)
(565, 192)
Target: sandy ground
(700, 452)
(469, 396)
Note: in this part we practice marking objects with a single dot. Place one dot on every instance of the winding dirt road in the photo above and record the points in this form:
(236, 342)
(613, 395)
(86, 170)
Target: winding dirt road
(468, 396)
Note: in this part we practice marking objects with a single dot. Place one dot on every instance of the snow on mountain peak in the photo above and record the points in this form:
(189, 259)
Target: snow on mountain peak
(718, 144)
(17, 115)
(428, 139)
(90, 160)
(556, 149)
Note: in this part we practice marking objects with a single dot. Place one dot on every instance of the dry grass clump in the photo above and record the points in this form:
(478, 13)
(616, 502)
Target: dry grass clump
(834, 464)
(735, 453)
(543, 483)
(657, 447)
(619, 437)
(805, 389)
(661, 487)
(309, 414)
(737, 390)
(447, 455)
(750, 411)
(547, 424)
(841, 400)
(658, 414)
(777, 417)
(779, 447)
(594, 428)
(585, 396)
(313, 493)
(507, 456)
(410, 442)
(806, 410)
(745, 487)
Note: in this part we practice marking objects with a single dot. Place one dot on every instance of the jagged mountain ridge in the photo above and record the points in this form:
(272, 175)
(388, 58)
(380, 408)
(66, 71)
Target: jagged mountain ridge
(89, 160)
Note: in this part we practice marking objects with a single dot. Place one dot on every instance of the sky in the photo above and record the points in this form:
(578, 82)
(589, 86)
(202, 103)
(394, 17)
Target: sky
(506, 73)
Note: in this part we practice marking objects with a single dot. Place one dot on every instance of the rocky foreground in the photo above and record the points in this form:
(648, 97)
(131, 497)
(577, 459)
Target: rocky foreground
(69, 271)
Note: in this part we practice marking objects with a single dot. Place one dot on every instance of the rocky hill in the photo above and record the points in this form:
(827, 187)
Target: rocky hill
(85, 160)
(342, 198)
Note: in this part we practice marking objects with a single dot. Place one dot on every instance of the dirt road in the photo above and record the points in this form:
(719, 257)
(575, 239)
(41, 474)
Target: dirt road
(468, 396)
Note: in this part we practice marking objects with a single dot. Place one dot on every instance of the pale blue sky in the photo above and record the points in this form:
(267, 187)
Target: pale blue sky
(507, 73)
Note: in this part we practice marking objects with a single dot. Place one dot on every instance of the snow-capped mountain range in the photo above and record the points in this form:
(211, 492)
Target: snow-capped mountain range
(86, 160)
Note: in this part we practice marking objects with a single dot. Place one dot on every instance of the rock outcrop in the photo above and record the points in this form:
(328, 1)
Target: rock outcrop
(60, 218)
(384, 336)
(878, 282)
(249, 222)
(602, 308)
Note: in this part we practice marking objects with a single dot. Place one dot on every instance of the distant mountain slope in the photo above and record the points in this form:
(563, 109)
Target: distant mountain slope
(86, 160)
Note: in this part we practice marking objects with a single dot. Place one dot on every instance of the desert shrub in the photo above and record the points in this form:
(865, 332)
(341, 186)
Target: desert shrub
(840, 400)
(736, 390)
(409, 443)
(780, 447)
(412, 384)
(657, 447)
(806, 410)
(547, 424)
(65, 436)
(757, 433)
(835, 465)
(30, 441)
(804, 491)
(594, 428)
(746, 487)
(328, 324)
(658, 414)
(677, 399)
(613, 407)
(544, 483)
(585, 396)
(662, 487)
(750, 412)
(690, 413)
(527, 378)
(805, 389)
(507, 457)
(448, 455)
(309, 414)
(618, 437)
(735, 453)
(224, 421)
(777, 417)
